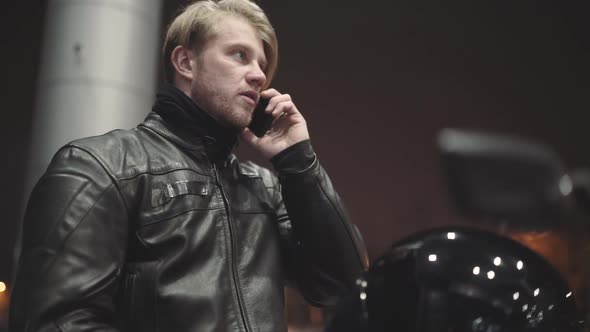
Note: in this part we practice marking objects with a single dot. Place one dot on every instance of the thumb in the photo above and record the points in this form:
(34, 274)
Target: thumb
(248, 136)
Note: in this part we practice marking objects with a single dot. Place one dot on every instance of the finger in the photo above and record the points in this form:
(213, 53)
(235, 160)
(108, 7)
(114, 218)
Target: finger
(272, 104)
(285, 107)
(270, 93)
(280, 98)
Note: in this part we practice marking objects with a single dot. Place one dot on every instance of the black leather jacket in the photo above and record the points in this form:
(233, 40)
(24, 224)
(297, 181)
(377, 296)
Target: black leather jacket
(152, 229)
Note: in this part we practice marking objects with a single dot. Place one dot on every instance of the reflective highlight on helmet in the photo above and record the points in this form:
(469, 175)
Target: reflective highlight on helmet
(469, 282)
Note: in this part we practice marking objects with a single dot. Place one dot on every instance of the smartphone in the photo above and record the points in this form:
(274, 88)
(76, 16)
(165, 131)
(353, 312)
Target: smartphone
(261, 121)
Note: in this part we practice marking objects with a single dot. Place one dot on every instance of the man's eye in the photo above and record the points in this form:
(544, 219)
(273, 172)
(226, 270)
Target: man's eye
(240, 55)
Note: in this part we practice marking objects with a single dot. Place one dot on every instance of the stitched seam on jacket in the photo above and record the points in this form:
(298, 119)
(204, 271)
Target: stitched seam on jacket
(181, 213)
(58, 251)
(342, 221)
(102, 164)
(65, 240)
(162, 173)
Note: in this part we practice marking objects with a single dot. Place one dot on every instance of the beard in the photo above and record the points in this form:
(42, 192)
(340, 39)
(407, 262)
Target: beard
(224, 108)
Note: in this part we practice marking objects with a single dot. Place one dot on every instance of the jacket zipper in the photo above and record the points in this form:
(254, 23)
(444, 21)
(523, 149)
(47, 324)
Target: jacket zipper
(232, 250)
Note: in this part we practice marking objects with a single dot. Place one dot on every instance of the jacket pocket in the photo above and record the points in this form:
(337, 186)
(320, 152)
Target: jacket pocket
(127, 301)
(137, 311)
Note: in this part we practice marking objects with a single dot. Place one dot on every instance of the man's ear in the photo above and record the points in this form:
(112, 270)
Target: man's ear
(181, 58)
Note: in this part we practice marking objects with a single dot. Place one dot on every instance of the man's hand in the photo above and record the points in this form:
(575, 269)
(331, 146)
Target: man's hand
(288, 128)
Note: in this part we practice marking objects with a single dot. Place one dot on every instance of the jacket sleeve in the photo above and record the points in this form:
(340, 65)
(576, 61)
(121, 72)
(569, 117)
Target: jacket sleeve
(325, 252)
(73, 244)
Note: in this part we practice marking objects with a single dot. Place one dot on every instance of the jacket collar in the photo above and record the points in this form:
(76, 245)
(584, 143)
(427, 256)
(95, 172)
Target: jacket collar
(179, 118)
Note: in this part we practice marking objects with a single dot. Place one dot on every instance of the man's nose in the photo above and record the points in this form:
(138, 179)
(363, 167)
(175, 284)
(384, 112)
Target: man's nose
(256, 76)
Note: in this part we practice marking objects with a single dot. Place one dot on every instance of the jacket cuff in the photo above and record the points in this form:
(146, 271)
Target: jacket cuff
(295, 159)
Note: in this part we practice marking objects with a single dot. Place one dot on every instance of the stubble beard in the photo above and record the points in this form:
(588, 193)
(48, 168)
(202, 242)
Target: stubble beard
(225, 110)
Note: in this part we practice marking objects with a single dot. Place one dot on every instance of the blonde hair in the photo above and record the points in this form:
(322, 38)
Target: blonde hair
(197, 22)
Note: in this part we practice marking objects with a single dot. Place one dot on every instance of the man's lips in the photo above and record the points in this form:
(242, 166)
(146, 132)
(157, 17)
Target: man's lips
(252, 95)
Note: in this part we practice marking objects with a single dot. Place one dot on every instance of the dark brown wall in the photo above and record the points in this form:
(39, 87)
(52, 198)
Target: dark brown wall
(21, 24)
(376, 81)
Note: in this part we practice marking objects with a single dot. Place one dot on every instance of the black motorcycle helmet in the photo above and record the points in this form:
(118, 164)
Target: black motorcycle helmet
(459, 280)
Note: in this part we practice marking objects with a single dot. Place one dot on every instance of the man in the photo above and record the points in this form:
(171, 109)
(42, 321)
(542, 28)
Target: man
(161, 228)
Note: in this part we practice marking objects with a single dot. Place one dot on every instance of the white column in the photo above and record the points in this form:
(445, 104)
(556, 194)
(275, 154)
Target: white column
(99, 68)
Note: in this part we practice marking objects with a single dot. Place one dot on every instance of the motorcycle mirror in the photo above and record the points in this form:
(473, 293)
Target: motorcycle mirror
(504, 179)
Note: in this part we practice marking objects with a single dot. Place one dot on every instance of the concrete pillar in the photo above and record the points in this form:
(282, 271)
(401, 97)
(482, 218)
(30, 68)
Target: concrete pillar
(99, 67)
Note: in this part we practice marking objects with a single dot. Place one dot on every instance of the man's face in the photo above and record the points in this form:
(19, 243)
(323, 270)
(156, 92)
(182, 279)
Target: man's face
(228, 73)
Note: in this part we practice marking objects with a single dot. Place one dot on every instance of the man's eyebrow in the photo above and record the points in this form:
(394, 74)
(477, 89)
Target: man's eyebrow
(241, 45)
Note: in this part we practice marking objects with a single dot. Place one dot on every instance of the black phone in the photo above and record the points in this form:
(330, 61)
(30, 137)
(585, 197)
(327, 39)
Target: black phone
(261, 121)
